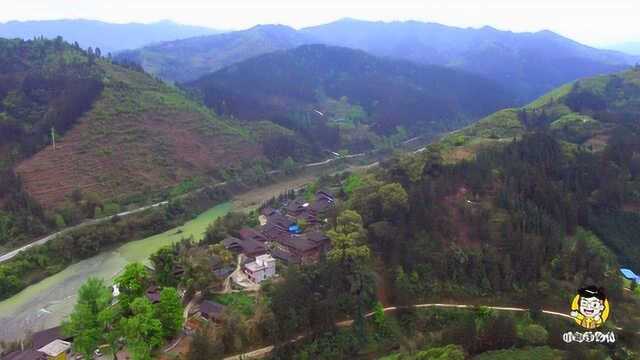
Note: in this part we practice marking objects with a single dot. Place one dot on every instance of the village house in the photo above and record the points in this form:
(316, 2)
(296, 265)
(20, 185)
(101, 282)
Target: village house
(268, 211)
(252, 234)
(213, 311)
(48, 344)
(277, 225)
(56, 350)
(296, 207)
(307, 216)
(320, 239)
(249, 247)
(324, 201)
(223, 272)
(298, 248)
(262, 268)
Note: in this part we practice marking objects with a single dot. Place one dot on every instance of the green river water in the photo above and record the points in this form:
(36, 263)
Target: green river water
(48, 302)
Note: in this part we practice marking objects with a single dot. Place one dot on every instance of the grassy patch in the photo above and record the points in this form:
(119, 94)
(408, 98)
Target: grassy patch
(575, 127)
(503, 124)
(239, 302)
(552, 96)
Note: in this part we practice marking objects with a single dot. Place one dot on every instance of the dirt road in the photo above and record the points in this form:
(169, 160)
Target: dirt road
(265, 351)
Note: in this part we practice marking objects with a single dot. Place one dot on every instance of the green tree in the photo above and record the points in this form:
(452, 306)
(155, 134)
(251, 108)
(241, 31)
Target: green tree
(131, 283)
(170, 311)
(142, 331)
(534, 334)
(86, 322)
(347, 240)
(110, 320)
(351, 256)
(394, 200)
(164, 261)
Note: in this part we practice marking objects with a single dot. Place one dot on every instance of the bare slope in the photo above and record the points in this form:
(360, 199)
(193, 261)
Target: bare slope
(140, 134)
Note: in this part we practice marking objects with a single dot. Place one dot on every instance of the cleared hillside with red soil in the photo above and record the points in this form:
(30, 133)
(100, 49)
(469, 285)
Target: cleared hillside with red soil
(139, 135)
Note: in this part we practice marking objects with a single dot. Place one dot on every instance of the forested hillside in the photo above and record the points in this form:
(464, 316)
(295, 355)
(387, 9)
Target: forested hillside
(120, 134)
(543, 195)
(189, 59)
(520, 209)
(528, 215)
(341, 98)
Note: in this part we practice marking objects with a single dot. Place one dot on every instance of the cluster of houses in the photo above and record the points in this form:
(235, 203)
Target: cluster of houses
(292, 235)
(47, 344)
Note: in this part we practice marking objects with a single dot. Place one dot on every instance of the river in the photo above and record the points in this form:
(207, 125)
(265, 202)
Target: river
(46, 303)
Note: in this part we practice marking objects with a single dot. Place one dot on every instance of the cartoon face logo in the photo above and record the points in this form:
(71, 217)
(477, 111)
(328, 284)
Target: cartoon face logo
(590, 307)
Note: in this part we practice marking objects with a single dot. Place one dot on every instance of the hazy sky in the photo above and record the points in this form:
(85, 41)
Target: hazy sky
(588, 21)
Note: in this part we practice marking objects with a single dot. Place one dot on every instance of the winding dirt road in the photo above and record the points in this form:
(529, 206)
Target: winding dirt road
(263, 352)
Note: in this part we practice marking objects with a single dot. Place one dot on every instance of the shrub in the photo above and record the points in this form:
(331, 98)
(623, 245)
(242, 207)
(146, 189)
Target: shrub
(534, 334)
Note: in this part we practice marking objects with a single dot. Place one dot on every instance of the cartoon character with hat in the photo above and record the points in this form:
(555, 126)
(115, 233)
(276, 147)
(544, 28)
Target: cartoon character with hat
(590, 307)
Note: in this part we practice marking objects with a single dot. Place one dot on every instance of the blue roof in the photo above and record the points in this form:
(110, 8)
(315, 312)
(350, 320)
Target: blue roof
(630, 275)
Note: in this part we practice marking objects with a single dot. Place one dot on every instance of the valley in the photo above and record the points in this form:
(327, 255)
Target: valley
(49, 301)
(353, 189)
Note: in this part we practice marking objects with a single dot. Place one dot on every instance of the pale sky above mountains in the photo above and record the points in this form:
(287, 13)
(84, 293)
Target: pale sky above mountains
(588, 21)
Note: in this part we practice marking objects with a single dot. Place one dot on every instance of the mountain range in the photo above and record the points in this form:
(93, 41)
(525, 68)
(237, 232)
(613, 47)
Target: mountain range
(528, 64)
(109, 37)
(188, 59)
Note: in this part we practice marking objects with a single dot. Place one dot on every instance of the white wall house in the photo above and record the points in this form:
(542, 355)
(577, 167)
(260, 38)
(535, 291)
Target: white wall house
(263, 268)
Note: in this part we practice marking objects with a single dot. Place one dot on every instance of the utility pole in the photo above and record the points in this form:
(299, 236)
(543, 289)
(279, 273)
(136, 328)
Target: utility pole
(53, 137)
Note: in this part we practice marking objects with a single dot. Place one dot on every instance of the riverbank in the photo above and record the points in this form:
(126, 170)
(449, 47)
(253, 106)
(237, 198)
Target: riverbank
(48, 302)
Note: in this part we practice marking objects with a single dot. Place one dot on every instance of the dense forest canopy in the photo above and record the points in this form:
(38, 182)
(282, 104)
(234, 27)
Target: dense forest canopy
(321, 91)
(45, 85)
